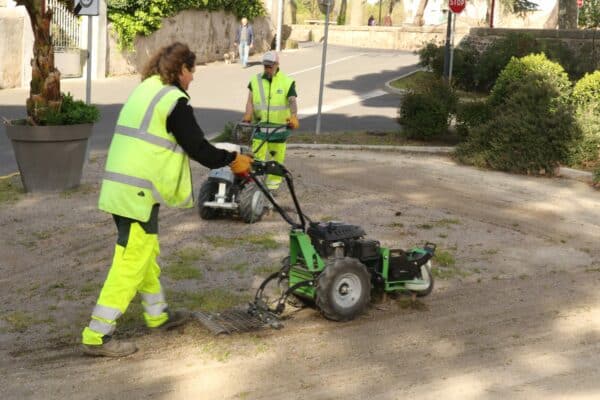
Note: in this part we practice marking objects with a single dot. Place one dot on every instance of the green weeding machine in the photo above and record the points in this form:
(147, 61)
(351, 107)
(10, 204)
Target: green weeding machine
(330, 265)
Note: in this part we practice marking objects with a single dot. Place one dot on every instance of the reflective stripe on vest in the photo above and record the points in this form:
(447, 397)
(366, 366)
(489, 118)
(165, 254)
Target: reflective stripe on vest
(272, 107)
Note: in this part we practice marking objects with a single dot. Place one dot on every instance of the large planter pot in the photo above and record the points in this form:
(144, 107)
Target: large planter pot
(50, 158)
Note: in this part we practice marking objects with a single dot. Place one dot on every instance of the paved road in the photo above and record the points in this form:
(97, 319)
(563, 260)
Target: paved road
(353, 97)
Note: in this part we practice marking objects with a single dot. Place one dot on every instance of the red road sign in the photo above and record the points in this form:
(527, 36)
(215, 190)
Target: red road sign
(579, 3)
(457, 5)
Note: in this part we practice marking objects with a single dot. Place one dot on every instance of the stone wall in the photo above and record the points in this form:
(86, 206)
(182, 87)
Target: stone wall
(393, 37)
(209, 35)
(584, 43)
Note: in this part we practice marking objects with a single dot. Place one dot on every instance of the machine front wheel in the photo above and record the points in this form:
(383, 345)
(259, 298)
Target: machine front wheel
(425, 287)
(343, 289)
(252, 203)
(206, 193)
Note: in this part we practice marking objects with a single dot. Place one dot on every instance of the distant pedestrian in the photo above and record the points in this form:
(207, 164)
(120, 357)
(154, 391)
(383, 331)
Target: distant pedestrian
(244, 38)
(387, 20)
(371, 21)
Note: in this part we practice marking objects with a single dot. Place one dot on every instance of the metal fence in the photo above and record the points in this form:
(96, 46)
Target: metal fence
(65, 26)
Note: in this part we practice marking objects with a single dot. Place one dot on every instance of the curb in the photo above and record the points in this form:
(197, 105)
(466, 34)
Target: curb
(400, 149)
(564, 172)
(390, 89)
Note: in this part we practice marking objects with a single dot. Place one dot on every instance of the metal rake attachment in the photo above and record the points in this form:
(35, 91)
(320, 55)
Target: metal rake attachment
(238, 320)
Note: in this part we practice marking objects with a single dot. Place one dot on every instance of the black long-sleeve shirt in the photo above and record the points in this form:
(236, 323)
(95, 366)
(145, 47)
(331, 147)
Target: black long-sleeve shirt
(182, 124)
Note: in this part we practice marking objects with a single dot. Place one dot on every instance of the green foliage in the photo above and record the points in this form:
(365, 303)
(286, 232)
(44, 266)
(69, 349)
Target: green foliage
(470, 115)
(589, 14)
(534, 65)
(142, 17)
(425, 113)
(495, 57)
(530, 131)
(587, 90)
(71, 112)
(586, 97)
(596, 176)
(465, 60)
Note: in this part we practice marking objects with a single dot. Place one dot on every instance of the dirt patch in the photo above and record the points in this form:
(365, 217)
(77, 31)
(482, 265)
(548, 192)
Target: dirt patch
(515, 312)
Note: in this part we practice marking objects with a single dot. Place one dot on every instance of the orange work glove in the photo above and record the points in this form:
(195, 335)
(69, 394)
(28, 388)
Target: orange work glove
(241, 164)
(247, 117)
(292, 122)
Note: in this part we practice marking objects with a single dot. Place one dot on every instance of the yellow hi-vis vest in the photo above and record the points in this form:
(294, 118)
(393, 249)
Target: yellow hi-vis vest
(270, 102)
(145, 165)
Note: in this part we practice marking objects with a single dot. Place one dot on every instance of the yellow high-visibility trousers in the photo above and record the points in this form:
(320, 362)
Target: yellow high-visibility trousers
(275, 152)
(134, 269)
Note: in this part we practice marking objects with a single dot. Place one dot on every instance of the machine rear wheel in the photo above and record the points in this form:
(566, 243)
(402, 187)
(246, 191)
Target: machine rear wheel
(252, 203)
(206, 193)
(343, 289)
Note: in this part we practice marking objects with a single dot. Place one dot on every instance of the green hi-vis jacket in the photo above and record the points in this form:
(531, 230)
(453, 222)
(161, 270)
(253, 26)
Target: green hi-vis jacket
(270, 103)
(145, 165)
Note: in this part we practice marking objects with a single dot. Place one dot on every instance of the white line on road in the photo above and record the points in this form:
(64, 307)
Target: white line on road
(329, 63)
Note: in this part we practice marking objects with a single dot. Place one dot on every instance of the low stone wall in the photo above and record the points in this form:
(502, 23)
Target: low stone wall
(381, 37)
(584, 43)
(209, 35)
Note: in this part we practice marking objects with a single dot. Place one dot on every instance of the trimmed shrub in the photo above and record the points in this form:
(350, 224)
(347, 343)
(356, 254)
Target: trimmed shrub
(497, 55)
(532, 66)
(586, 97)
(530, 131)
(425, 113)
(587, 90)
(470, 115)
(464, 63)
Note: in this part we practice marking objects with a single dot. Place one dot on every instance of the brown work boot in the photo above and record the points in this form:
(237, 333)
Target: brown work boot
(110, 348)
(176, 318)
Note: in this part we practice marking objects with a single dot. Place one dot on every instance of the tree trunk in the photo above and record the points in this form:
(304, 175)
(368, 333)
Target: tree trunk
(419, 14)
(342, 15)
(567, 14)
(44, 91)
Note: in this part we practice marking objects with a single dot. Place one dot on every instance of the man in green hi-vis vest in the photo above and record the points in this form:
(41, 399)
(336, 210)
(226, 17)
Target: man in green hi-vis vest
(148, 165)
(272, 100)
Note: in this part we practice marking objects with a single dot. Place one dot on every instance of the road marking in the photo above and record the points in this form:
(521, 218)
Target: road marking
(329, 63)
(346, 101)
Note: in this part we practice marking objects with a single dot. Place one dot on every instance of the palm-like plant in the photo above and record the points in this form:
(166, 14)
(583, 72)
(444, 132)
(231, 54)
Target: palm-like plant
(44, 93)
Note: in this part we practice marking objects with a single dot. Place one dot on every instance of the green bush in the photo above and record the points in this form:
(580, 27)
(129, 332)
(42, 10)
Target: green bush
(586, 97)
(534, 66)
(425, 113)
(530, 132)
(464, 63)
(470, 115)
(72, 112)
(596, 176)
(495, 57)
(587, 90)
(142, 17)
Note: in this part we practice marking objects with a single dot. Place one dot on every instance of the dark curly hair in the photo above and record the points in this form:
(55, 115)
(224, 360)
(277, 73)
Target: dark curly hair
(168, 61)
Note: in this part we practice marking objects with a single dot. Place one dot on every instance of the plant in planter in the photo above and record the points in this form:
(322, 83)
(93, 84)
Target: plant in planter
(49, 144)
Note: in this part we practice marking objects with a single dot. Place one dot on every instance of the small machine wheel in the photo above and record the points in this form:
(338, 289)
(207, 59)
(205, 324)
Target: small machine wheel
(425, 276)
(252, 203)
(343, 289)
(206, 193)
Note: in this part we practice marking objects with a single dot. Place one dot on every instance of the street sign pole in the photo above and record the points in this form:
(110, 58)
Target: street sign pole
(447, 50)
(88, 79)
(451, 49)
(327, 4)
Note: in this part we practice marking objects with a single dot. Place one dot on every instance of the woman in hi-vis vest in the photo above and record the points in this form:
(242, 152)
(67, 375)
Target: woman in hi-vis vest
(148, 165)
(272, 100)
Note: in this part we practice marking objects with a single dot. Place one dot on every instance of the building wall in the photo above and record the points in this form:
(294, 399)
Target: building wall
(209, 34)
